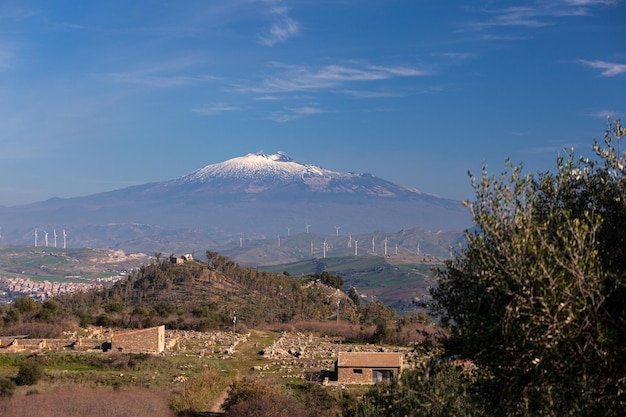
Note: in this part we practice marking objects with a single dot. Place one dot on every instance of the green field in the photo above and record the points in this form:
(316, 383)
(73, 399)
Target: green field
(396, 281)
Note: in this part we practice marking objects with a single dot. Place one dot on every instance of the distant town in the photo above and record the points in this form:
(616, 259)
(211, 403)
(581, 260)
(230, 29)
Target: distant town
(13, 288)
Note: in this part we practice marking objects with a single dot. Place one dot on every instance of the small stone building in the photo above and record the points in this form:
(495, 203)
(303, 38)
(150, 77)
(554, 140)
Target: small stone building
(150, 340)
(368, 367)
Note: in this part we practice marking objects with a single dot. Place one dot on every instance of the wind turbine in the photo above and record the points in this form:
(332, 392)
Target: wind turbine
(311, 247)
(46, 237)
(36, 237)
(396, 249)
(337, 230)
(289, 231)
(55, 237)
(373, 246)
(418, 248)
(385, 241)
(325, 247)
(64, 237)
(307, 227)
(356, 248)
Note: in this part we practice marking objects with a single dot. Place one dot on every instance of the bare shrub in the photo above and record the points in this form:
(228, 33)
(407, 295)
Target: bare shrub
(37, 330)
(247, 389)
(197, 392)
(275, 405)
(92, 402)
(7, 387)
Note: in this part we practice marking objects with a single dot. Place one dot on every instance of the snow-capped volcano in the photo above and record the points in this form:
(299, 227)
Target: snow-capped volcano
(256, 194)
(258, 172)
(257, 166)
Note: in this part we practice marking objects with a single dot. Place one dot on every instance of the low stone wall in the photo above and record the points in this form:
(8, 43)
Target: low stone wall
(139, 341)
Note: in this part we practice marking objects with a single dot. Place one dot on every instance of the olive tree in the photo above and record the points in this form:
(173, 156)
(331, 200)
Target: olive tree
(536, 296)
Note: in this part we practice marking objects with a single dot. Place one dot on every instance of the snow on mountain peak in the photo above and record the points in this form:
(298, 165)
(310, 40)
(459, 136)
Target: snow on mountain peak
(258, 166)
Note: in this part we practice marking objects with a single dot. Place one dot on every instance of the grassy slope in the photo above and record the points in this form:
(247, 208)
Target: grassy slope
(394, 280)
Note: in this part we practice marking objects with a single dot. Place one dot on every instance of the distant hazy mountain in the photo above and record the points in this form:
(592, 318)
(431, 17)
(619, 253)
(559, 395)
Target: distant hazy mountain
(256, 195)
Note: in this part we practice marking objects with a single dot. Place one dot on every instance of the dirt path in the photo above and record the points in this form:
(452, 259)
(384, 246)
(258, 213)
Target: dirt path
(246, 355)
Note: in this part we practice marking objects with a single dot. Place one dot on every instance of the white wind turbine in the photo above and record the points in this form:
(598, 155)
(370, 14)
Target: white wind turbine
(55, 237)
(36, 236)
(337, 230)
(385, 242)
(64, 239)
(46, 237)
(307, 227)
(356, 248)
(349, 240)
(325, 247)
(373, 246)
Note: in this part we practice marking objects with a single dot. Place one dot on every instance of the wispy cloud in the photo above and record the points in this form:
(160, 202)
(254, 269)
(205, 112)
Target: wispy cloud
(301, 78)
(603, 114)
(157, 81)
(294, 113)
(537, 13)
(163, 75)
(371, 94)
(609, 69)
(456, 56)
(215, 108)
(283, 27)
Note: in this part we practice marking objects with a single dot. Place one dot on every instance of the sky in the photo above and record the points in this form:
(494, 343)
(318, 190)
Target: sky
(101, 95)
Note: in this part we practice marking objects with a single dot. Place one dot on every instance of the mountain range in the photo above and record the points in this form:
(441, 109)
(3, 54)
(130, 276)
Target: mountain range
(256, 196)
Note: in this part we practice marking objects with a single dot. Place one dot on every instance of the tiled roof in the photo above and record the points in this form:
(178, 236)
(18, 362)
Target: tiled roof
(369, 360)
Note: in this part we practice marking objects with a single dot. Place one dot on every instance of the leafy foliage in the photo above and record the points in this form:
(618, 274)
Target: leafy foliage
(29, 373)
(7, 387)
(435, 390)
(536, 297)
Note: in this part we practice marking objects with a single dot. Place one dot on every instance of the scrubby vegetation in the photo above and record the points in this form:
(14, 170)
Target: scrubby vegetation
(533, 305)
(29, 373)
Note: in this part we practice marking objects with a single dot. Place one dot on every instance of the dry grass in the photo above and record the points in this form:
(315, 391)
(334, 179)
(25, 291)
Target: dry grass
(92, 402)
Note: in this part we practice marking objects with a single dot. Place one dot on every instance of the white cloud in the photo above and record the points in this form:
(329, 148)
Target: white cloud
(215, 109)
(300, 78)
(371, 94)
(603, 114)
(162, 75)
(609, 69)
(282, 29)
(538, 13)
(294, 113)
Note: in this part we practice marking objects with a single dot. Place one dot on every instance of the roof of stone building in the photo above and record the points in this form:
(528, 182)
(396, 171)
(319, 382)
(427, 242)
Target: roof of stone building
(370, 359)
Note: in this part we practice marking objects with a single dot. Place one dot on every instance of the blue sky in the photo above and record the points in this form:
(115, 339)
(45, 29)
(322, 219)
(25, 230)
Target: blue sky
(100, 95)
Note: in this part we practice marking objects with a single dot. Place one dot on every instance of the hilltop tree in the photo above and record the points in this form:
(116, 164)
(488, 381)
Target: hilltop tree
(536, 297)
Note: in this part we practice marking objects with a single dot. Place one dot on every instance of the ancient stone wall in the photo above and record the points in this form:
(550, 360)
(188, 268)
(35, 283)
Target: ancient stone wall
(139, 341)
